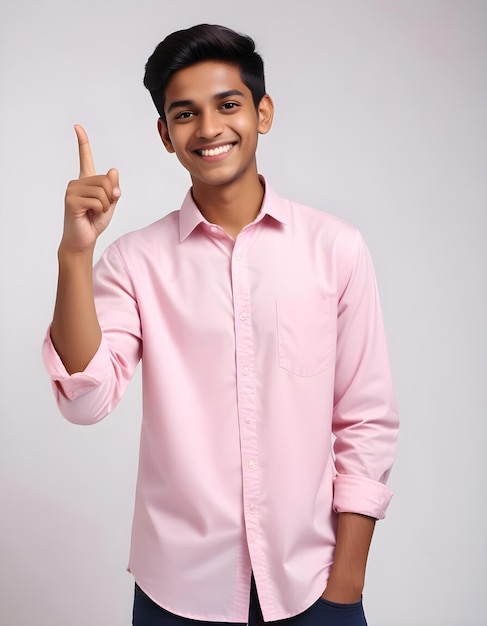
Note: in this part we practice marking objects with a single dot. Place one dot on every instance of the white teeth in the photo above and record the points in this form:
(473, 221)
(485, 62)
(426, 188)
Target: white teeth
(215, 151)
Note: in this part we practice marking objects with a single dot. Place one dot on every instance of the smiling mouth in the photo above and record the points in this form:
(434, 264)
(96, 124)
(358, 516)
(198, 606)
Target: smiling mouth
(215, 151)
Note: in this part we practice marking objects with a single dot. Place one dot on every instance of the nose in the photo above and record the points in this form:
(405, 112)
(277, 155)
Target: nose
(210, 125)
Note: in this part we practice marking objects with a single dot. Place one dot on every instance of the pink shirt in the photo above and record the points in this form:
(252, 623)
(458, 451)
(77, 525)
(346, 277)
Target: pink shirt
(254, 351)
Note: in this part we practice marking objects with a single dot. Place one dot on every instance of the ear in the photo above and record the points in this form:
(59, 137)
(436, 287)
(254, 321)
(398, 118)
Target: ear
(164, 134)
(265, 112)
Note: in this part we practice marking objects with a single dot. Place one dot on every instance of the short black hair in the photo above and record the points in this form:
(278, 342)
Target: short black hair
(203, 42)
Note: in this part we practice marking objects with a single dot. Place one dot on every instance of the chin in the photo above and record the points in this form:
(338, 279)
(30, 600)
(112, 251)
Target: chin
(218, 180)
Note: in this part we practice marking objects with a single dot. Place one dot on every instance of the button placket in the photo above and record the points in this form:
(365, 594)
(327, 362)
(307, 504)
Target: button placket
(246, 393)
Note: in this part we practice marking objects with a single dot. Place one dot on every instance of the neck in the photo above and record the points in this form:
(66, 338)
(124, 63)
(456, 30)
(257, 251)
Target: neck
(232, 206)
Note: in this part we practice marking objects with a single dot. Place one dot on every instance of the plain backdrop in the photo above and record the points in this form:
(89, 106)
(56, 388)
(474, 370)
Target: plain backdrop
(381, 118)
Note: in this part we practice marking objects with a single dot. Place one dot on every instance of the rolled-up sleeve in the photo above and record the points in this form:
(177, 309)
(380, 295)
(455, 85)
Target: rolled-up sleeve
(87, 397)
(365, 421)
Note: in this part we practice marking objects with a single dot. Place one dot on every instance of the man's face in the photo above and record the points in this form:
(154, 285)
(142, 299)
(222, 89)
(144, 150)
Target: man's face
(212, 123)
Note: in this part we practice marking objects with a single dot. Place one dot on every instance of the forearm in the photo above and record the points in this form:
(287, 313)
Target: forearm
(75, 331)
(347, 575)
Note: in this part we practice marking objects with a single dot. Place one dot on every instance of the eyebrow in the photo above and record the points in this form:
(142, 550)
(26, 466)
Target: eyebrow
(218, 96)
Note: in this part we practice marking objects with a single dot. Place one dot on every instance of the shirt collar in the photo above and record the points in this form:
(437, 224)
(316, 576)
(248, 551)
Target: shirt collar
(272, 205)
(189, 217)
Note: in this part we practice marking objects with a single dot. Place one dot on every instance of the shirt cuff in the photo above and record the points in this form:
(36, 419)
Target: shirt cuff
(72, 386)
(357, 494)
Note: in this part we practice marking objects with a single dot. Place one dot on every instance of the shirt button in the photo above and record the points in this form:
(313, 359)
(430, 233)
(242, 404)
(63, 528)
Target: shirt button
(245, 371)
(252, 508)
(237, 257)
(252, 537)
(248, 420)
(252, 464)
(214, 229)
(243, 316)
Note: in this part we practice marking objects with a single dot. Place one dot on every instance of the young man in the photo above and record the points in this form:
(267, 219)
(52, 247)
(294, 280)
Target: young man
(269, 422)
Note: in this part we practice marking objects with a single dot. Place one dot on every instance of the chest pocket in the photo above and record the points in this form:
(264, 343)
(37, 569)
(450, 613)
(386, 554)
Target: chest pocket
(306, 333)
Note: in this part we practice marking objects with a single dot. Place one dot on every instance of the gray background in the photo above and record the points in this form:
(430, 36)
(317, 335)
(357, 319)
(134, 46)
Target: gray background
(381, 119)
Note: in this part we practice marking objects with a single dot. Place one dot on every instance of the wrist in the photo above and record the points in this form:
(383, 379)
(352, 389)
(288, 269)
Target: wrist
(343, 591)
(68, 254)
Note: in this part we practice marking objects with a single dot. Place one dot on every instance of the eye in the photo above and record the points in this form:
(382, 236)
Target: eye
(229, 106)
(184, 115)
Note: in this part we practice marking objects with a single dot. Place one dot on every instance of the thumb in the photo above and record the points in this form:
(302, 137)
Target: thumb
(114, 180)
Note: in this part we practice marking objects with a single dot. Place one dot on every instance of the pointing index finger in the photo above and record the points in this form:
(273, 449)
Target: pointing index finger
(86, 165)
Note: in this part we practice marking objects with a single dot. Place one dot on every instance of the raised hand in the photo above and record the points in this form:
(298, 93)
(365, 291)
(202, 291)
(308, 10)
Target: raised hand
(89, 202)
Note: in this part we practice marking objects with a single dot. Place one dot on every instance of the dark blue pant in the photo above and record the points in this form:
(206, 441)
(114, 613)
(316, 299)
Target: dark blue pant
(321, 613)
